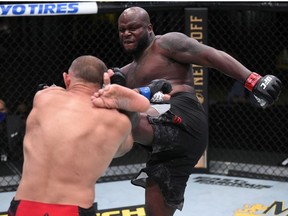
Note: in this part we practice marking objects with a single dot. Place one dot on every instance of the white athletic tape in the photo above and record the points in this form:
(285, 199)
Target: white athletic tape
(157, 97)
(161, 108)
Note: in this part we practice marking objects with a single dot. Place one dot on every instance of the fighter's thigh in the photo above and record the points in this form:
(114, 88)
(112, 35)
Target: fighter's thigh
(143, 133)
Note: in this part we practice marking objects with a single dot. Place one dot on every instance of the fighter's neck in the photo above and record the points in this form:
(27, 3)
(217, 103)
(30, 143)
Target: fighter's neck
(80, 88)
(139, 54)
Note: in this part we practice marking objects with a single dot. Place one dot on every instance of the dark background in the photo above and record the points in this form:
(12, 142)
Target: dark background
(35, 50)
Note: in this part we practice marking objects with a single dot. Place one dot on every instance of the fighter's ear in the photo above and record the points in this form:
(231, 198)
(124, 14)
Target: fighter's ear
(150, 28)
(67, 79)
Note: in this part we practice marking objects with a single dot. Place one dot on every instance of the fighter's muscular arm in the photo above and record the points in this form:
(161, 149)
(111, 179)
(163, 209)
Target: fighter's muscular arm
(187, 50)
(183, 49)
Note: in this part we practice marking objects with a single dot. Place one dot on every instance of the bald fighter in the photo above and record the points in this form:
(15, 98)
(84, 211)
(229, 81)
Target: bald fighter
(69, 142)
(178, 137)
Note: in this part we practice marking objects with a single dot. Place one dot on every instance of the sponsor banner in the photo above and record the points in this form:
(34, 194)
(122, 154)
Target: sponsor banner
(196, 27)
(231, 182)
(205, 195)
(48, 9)
(124, 211)
(267, 200)
(276, 208)
(121, 211)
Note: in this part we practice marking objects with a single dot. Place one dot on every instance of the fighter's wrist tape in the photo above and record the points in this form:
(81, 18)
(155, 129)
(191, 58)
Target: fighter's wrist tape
(252, 80)
(145, 91)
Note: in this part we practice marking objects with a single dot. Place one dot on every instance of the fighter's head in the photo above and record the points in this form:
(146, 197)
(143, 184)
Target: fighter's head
(3, 107)
(135, 30)
(85, 69)
(3, 110)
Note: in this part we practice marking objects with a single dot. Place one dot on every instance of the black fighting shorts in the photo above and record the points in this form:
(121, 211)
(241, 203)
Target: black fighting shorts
(180, 139)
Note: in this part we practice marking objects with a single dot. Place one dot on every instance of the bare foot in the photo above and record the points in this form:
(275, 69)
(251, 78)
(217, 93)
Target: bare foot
(114, 96)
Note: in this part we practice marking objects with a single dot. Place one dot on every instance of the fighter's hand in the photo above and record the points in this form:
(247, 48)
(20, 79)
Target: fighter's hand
(266, 89)
(160, 98)
(157, 90)
(107, 77)
(118, 77)
(160, 85)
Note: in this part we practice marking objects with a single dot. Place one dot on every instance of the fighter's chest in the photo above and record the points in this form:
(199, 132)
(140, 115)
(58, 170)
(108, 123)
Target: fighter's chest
(145, 70)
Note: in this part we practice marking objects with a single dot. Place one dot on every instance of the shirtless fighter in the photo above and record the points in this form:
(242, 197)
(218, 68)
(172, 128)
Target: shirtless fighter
(177, 137)
(69, 143)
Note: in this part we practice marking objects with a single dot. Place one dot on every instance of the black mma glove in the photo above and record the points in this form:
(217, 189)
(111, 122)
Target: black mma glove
(118, 77)
(266, 89)
(157, 85)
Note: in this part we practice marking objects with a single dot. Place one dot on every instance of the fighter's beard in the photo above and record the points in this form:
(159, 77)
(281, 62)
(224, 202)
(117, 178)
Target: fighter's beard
(143, 43)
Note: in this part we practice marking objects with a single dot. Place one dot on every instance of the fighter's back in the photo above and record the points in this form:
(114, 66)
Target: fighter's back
(68, 145)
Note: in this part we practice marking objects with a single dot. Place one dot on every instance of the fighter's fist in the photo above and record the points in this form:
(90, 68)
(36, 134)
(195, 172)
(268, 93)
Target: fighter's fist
(118, 77)
(158, 85)
(266, 89)
(161, 85)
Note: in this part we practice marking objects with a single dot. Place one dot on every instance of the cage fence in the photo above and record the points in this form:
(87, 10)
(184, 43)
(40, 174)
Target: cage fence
(244, 140)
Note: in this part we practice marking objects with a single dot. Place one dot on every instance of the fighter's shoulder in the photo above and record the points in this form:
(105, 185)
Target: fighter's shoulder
(124, 121)
(115, 117)
(49, 92)
(125, 68)
(171, 37)
(50, 89)
(173, 41)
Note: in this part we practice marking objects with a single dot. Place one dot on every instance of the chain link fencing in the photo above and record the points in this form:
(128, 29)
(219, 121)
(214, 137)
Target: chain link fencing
(244, 140)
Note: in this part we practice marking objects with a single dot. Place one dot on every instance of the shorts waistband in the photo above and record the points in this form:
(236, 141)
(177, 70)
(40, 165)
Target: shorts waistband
(27, 208)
